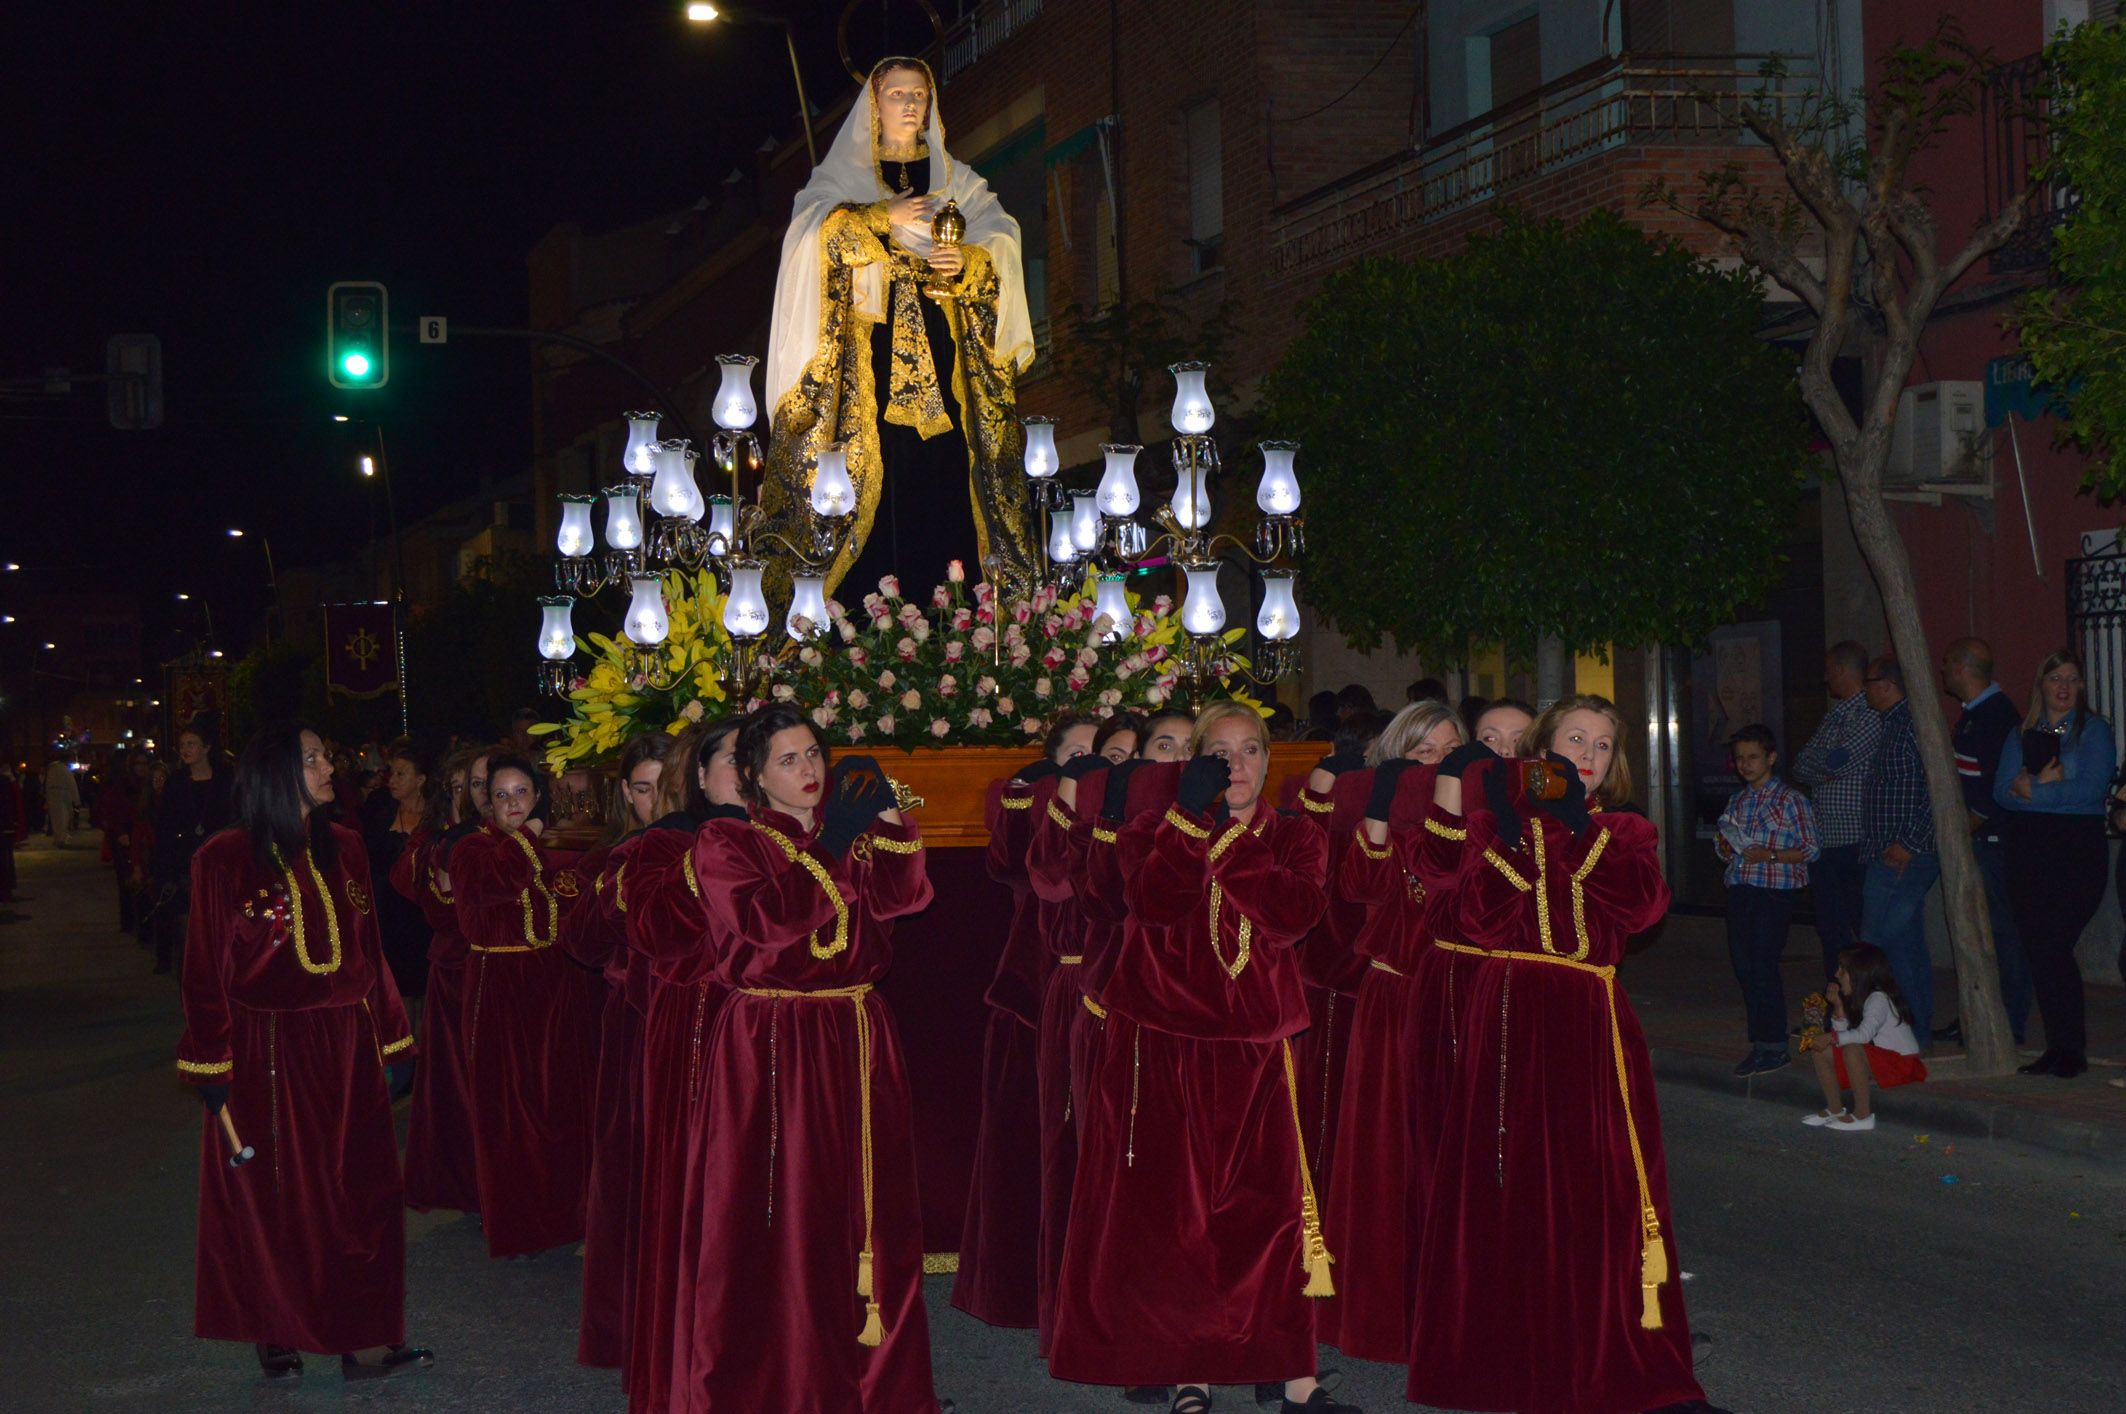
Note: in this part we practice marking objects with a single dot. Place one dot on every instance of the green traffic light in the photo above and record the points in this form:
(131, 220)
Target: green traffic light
(356, 364)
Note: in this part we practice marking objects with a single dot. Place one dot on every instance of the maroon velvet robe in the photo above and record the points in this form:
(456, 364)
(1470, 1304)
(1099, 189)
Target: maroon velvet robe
(531, 1042)
(1365, 1211)
(441, 1171)
(1535, 1245)
(656, 889)
(287, 1001)
(1188, 1249)
(591, 934)
(1000, 1238)
(802, 1055)
(1332, 969)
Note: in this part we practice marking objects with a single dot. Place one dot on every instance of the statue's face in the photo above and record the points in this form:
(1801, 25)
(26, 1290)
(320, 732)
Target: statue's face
(903, 106)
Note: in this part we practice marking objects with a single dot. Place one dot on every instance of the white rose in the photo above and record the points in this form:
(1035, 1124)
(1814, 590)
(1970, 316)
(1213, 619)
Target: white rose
(1007, 706)
(886, 680)
(911, 699)
(940, 727)
(885, 724)
(693, 711)
(858, 699)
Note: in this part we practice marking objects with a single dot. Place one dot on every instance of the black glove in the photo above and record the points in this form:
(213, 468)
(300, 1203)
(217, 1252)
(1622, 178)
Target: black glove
(399, 1075)
(1572, 809)
(213, 1097)
(1339, 762)
(1499, 796)
(1385, 777)
(1037, 771)
(1203, 783)
(1116, 800)
(1077, 768)
(448, 841)
(1464, 756)
(724, 812)
(859, 793)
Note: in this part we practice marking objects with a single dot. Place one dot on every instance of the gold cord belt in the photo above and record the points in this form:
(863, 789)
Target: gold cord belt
(1314, 1248)
(1384, 967)
(874, 1331)
(1653, 1256)
(1071, 959)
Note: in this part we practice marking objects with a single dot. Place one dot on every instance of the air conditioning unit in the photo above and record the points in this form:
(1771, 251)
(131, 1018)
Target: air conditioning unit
(1939, 438)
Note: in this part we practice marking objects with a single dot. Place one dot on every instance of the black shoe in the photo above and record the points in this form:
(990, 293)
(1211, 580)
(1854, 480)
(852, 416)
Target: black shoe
(1269, 1392)
(397, 1361)
(2070, 1064)
(1317, 1403)
(279, 1362)
(1148, 1394)
(1191, 1399)
(1953, 1033)
(2045, 1064)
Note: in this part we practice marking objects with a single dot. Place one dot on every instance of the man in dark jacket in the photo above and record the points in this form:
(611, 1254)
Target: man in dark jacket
(1988, 720)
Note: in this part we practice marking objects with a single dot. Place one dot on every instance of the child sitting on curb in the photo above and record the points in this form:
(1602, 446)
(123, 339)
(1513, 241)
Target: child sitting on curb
(1871, 1045)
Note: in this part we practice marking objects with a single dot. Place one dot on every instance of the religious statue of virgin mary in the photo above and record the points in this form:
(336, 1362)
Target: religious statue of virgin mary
(903, 351)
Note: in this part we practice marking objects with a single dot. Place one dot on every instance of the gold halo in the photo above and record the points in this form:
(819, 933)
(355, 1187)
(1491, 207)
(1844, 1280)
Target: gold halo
(841, 37)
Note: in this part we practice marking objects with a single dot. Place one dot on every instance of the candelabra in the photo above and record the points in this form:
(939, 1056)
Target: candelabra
(1100, 530)
(729, 534)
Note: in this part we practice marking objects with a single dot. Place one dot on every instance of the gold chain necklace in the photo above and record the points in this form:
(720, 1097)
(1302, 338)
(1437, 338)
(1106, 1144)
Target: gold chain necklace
(295, 915)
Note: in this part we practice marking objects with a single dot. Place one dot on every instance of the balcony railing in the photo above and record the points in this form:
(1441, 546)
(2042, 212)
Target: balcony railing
(2015, 123)
(1667, 99)
(988, 26)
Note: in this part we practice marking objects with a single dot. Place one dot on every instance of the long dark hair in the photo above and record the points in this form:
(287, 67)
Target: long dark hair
(1869, 967)
(714, 736)
(648, 746)
(272, 801)
(1116, 725)
(1061, 727)
(754, 734)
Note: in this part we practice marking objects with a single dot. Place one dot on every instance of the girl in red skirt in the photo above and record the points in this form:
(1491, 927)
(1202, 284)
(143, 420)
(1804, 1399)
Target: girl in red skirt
(1871, 1040)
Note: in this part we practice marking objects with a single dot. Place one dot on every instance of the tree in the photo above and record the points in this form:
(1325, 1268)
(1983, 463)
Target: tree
(1117, 355)
(2075, 329)
(1568, 431)
(1855, 206)
(468, 658)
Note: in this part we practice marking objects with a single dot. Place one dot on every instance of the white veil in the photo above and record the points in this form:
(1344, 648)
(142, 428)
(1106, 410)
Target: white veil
(849, 174)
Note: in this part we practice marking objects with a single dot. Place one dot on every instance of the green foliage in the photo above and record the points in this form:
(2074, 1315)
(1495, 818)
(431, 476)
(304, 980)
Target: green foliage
(1569, 431)
(1118, 357)
(267, 685)
(468, 665)
(2075, 330)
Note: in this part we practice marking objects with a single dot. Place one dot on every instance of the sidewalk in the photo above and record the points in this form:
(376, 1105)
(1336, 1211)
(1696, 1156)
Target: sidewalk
(1686, 996)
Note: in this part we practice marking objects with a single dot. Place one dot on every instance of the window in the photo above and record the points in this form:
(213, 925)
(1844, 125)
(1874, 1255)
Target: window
(1516, 60)
(1206, 187)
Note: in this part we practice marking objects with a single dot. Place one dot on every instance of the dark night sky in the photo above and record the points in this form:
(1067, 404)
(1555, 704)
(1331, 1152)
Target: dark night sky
(203, 172)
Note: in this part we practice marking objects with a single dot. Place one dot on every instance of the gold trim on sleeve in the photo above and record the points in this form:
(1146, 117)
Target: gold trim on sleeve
(1055, 813)
(1016, 802)
(1319, 807)
(1365, 846)
(1445, 832)
(1498, 862)
(399, 1045)
(206, 1067)
(1187, 826)
(1225, 841)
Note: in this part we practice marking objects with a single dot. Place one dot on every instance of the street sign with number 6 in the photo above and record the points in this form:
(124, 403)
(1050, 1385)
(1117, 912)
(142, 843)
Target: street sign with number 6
(435, 329)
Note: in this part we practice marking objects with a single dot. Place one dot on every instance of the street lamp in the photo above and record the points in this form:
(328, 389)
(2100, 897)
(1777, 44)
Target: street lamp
(701, 14)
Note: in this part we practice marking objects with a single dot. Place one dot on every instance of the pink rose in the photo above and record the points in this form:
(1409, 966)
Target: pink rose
(939, 726)
(911, 699)
(941, 598)
(1053, 658)
(855, 730)
(846, 629)
(906, 649)
(823, 716)
(956, 572)
(1077, 680)
(885, 724)
(948, 685)
(985, 685)
(1111, 698)
(1007, 706)
(875, 607)
(909, 614)
(858, 699)
(1087, 659)
(834, 697)
(857, 657)
(980, 717)
(1021, 655)
(984, 640)
(955, 650)
(984, 592)
(784, 692)
(920, 630)
(1042, 688)
(1021, 613)
(1031, 726)
(1154, 695)
(890, 586)
(962, 620)
(886, 680)
(1162, 606)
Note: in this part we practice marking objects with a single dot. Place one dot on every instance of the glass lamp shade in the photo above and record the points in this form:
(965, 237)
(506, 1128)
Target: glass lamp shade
(557, 635)
(1110, 599)
(1279, 619)
(576, 538)
(623, 517)
(745, 610)
(647, 624)
(808, 600)
(672, 492)
(1061, 549)
(833, 493)
(735, 408)
(1193, 414)
(641, 442)
(1278, 492)
(697, 505)
(1192, 503)
(1202, 612)
(1041, 458)
(1118, 496)
(722, 523)
(1084, 521)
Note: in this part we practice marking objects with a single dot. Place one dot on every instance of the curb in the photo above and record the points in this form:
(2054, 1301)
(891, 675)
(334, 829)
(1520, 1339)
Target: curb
(1971, 1118)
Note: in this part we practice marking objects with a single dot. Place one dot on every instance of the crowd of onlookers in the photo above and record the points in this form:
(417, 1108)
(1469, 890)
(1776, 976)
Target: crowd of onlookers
(2039, 784)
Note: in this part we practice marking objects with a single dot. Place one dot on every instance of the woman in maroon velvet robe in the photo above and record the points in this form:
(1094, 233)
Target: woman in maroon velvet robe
(441, 1171)
(593, 934)
(290, 1021)
(1194, 1243)
(653, 886)
(807, 1291)
(1547, 1277)
(1000, 1238)
(530, 1040)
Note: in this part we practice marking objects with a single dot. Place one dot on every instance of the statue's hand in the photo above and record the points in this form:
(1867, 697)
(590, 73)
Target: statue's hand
(947, 260)
(912, 208)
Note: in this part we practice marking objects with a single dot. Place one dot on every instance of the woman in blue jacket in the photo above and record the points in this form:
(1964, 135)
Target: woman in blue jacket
(2053, 779)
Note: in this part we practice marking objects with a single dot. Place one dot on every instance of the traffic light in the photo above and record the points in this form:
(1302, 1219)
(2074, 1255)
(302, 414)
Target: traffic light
(357, 330)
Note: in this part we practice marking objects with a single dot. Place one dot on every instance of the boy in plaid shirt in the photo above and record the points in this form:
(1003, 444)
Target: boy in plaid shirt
(1767, 835)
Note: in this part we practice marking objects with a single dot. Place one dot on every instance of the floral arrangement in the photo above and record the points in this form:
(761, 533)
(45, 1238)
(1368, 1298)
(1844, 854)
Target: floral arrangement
(960, 669)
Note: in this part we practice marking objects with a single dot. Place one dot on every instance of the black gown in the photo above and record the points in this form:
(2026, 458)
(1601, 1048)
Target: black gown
(925, 515)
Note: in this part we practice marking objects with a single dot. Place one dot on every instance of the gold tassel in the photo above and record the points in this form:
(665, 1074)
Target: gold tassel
(1653, 1273)
(874, 1331)
(863, 1273)
(1320, 1285)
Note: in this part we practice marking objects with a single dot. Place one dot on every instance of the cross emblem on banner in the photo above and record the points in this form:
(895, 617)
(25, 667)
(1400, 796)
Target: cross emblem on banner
(364, 647)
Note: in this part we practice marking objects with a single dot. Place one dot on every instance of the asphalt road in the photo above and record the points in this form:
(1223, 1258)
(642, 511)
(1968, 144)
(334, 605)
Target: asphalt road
(1882, 1272)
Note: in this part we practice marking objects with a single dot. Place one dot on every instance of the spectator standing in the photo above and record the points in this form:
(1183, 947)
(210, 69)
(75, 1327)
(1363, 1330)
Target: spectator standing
(1767, 835)
(1988, 720)
(62, 801)
(196, 802)
(2054, 778)
(1897, 839)
(1834, 765)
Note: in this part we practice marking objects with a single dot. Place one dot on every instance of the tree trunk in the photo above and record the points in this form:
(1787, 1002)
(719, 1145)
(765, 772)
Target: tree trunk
(1988, 1044)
